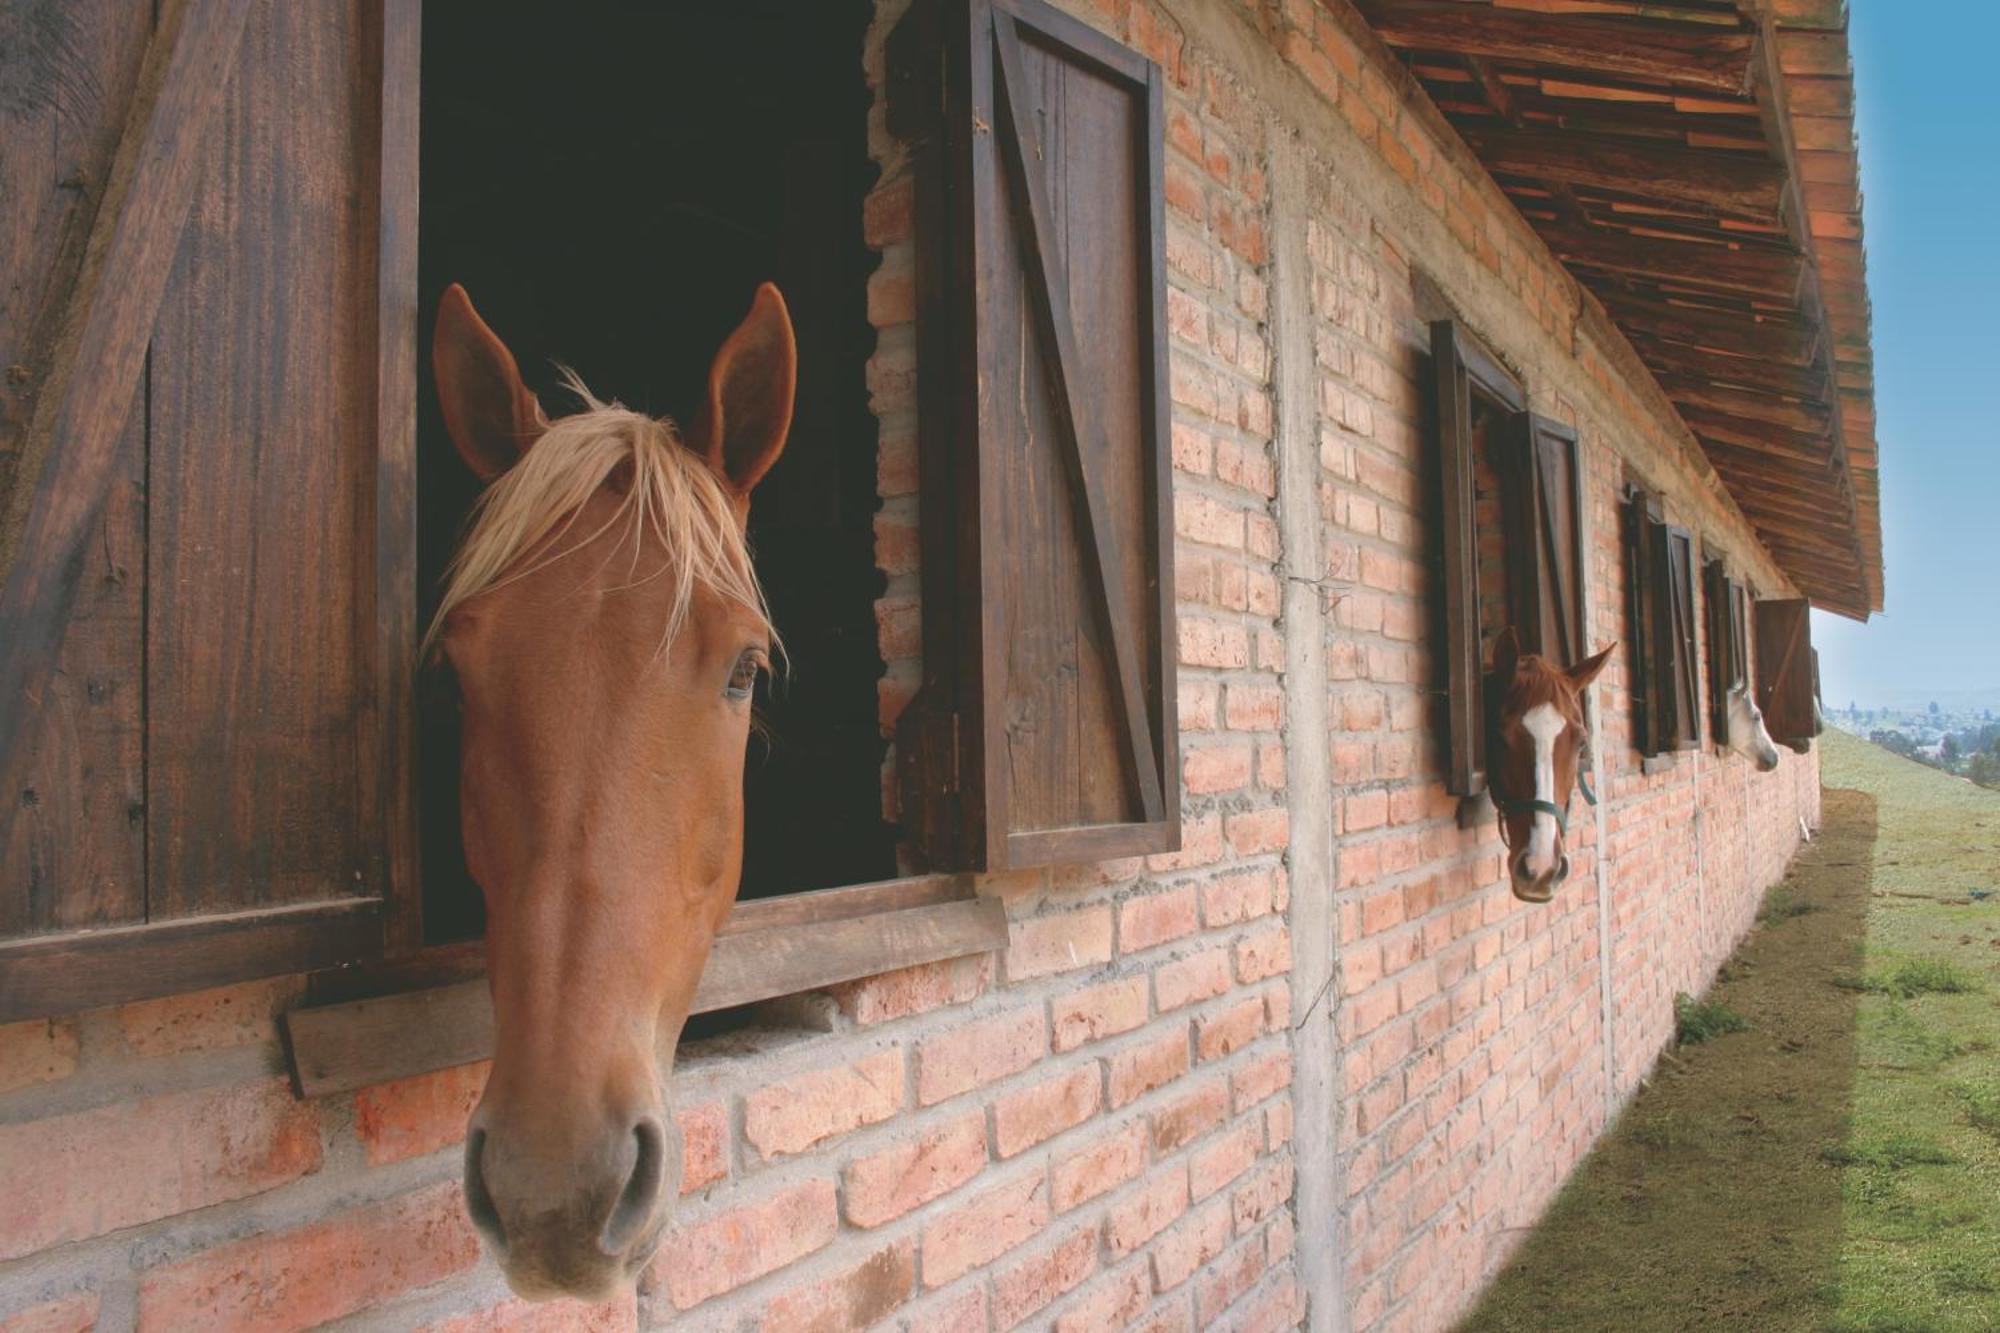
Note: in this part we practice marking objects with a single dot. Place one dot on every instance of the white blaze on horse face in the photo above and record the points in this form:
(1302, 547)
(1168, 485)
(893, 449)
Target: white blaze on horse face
(1543, 723)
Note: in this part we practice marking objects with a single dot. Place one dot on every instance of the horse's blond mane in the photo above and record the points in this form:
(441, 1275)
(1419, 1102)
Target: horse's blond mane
(671, 493)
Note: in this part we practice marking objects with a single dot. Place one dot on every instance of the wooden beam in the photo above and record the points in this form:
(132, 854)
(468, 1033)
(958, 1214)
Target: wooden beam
(1758, 272)
(1738, 333)
(1761, 436)
(1717, 61)
(81, 410)
(1741, 186)
(1792, 414)
(1672, 359)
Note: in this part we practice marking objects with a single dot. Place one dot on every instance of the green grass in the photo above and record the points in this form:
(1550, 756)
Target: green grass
(1695, 1021)
(1837, 1166)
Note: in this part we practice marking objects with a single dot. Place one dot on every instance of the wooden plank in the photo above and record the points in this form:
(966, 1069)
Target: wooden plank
(1715, 61)
(1808, 419)
(1739, 185)
(95, 367)
(264, 419)
(59, 974)
(1665, 358)
(385, 727)
(341, 1047)
(1758, 272)
(1737, 333)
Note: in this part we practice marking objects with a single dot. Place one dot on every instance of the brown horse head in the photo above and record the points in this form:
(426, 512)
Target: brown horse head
(606, 628)
(1538, 735)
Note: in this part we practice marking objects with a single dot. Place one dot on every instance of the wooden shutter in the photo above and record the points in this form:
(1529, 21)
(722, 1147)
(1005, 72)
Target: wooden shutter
(1785, 670)
(1045, 729)
(1545, 540)
(1728, 646)
(1464, 372)
(206, 619)
(1681, 685)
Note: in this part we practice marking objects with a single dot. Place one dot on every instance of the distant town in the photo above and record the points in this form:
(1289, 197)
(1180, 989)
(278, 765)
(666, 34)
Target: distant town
(1959, 738)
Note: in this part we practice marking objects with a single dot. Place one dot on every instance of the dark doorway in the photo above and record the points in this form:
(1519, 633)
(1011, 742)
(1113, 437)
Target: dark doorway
(611, 181)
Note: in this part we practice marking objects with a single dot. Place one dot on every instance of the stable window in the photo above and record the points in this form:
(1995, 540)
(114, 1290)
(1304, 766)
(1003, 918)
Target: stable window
(1659, 565)
(1511, 513)
(619, 223)
(1728, 606)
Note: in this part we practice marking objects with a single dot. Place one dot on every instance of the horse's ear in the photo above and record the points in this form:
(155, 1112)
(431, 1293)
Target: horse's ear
(741, 426)
(1586, 671)
(492, 416)
(1506, 654)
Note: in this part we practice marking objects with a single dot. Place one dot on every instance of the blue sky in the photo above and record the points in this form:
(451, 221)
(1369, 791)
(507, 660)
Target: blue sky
(1930, 167)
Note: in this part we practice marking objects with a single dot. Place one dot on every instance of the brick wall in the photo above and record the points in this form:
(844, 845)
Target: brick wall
(1097, 1128)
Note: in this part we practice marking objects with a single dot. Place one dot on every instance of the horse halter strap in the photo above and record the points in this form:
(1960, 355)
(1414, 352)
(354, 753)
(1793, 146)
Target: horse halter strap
(1503, 808)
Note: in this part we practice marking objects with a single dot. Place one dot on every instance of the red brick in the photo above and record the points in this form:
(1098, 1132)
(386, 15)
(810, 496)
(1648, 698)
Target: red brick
(617, 1315)
(792, 1116)
(1256, 831)
(1058, 943)
(1259, 1079)
(209, 1020)
(704, 1145)
(1254, 708)
(722, 1253)
(317, 1273)
(1264, 1191)
(40, 1051)
(984, 1228)
(1140, 1069)
(1113, 1303)
(409, 1117)
(961, 1312)
(1215, 768)
(1216, 1164)
(976, 1054)
(1031, 1284)
(884, 1185)
(1183, 1251)
(74, 1176)
(68, 1314)
(1266, 955)
(1221, 1283)
(1138, 1219)
(1034, 1115)
(857, 1297)
(1189, 980)
(887, 212)
(914, 990)
(1190, 1116)
(1153, 919)
(1101, 1167)
(1230, 1030)
(1234, 898)
(1099, 1012)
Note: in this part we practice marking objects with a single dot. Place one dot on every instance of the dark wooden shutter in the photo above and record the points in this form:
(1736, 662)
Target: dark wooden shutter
(1728, 647)
(1681, 686)
(1463, 372)
(1545, 540)
(1785, 670)
(1644, 551)
(1045, 729)
(205, 626)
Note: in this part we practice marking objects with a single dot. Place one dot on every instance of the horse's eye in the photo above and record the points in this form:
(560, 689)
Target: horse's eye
(743, 676)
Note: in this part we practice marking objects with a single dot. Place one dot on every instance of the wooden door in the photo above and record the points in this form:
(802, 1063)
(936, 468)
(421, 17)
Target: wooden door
(206, 619)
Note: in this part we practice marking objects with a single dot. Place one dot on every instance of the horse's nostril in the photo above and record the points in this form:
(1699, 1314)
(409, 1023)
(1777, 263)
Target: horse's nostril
(1562, 868)
(479, 1203)
(641, 1195)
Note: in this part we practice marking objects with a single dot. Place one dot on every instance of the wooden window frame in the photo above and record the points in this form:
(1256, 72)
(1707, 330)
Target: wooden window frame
(371, 943)
(1727, 610)
(432, 1009)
